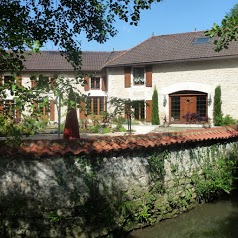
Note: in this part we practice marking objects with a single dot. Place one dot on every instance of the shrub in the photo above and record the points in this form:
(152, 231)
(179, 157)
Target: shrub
(155, 109)
(217, 113)
(228, 121)
(119, 120)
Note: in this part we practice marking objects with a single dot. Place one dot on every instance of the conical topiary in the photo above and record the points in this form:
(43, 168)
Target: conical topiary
(155, 108)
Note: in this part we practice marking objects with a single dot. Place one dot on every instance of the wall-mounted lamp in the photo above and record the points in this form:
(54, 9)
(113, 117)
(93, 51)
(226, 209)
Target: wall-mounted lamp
(164, 101)
(209, 100)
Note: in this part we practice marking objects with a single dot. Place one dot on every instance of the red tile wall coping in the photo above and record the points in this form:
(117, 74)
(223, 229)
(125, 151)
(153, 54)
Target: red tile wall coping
(105, 144)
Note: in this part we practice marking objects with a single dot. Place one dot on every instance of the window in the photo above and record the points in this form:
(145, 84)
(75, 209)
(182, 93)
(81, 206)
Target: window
(175, 108)
(95, 83)
(9, 80)
(43, 82)
(42, 107)
(9, 108)
(188, 107)
(202, 106)
(138, 76)
(98, 105)
(139, 110)
(201, 40)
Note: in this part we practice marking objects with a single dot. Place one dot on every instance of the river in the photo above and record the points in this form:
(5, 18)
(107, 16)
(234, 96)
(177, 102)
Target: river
(213, 220)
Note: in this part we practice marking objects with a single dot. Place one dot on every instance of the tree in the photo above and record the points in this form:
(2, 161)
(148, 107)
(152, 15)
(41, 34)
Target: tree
(29, 102)
(217, 113)
(26, 25)
(227, 31)
(29, 24)
(155, 109)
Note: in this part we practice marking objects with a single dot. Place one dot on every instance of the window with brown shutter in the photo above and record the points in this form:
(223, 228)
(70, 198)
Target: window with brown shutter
(149, 76)
(127, 77)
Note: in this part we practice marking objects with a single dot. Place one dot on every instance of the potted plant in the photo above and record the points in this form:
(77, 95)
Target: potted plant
(166, 123)
(207, 122)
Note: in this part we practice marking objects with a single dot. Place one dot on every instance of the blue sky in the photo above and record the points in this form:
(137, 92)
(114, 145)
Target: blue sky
(167, 17)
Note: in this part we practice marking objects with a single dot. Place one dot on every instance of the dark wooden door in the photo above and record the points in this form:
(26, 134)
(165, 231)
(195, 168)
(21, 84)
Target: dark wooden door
(188, 105)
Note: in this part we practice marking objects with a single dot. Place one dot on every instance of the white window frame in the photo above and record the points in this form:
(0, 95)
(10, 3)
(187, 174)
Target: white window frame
(138, 81)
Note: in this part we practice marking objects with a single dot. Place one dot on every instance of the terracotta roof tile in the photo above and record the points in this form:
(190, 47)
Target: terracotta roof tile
(106, 144)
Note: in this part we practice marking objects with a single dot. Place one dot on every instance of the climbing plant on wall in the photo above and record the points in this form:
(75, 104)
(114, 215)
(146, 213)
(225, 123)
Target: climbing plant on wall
(217, 113)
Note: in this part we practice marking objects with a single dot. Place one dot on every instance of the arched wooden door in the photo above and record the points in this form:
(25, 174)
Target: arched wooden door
(188, 105)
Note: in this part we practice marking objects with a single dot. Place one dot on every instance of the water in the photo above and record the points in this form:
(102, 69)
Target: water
(214, 220)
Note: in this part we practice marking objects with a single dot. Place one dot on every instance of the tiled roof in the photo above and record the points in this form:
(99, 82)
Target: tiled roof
(170, 48)
(54, 61)
(157, 49)
(107, 144)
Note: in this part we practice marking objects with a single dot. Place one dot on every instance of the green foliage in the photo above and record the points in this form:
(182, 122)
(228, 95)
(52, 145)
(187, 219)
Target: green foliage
(155, 109)
(120, 106)
(156, 163)
(226, 32)
(218, 175)
(29, 24)
(217, 113)
(157, 172)
(54, 217)
(234, 11)
(32, 102)
(14, 130)
(228, 121)
(119, 120)
(26, 25)
(139, 210)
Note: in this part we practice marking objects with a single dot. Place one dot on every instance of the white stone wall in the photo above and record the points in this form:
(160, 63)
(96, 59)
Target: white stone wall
(116, 87)
(202, 76)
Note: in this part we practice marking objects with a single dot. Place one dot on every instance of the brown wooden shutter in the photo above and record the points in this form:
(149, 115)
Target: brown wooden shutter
(104, 83)
(52, 82)
(18, 81)
(52, 110)
(149, 76)
(82, 110)
(148, 110)
(86, 83)
(127, 77)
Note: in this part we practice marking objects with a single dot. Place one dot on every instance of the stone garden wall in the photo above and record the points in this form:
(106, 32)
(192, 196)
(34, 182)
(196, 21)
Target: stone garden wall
(96, 195)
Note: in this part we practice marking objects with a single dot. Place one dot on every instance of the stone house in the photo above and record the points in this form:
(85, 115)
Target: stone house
(184, 68)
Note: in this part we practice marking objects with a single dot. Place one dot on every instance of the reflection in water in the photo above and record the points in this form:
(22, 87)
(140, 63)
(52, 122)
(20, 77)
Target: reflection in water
(213, 220)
